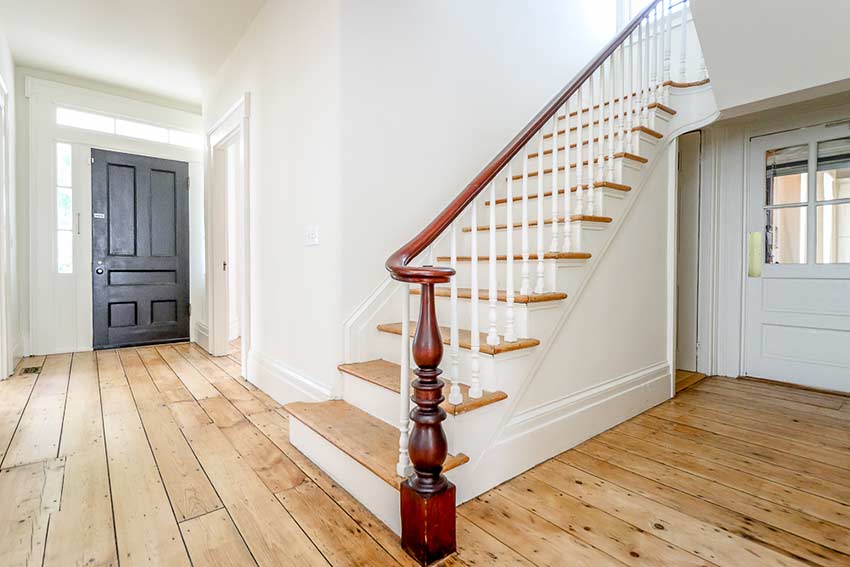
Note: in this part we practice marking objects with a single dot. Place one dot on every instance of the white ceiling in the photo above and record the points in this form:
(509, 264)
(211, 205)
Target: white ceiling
(169, 48)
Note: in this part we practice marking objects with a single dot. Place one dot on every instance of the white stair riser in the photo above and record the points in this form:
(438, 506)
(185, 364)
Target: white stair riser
(554, 279)
(529, 320)
(611, 201)
(496, 372)
(589, 238)
(371, 398)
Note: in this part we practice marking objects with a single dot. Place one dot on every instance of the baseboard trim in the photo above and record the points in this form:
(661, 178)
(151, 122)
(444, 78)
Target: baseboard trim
(202, 335)
(540, 433)
(282, 382)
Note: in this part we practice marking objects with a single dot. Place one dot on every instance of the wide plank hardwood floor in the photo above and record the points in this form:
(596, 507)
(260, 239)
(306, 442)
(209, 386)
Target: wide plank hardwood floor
(165, 456)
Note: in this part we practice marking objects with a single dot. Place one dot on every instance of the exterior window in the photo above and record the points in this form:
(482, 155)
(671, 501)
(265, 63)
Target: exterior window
(833, 206)
(786, 205)
(141, 131)
(85, 120)
(64, 211)
(129, 128)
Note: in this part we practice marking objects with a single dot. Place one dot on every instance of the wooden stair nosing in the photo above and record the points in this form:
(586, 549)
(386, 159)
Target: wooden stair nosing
(573, 189)
(644, 129)
(634, 95)
(386, 375)
(686, 85)
(502, 295)
(366, 439)
(573, 218)
(464, 339)
(624, 155)
(518, 257)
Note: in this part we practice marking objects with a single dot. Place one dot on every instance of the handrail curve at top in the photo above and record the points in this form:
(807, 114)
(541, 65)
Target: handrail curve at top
(397, 263)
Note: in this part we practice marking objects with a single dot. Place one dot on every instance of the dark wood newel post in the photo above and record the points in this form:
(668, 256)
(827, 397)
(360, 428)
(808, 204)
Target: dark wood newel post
(428, 525)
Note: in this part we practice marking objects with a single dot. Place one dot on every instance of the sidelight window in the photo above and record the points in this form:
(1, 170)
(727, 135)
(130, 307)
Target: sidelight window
(64, 211)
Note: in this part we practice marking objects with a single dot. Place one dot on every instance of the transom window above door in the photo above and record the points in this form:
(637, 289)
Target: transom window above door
(807, 203)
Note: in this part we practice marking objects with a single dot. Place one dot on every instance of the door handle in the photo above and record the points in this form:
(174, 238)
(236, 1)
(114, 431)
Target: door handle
(755, 252)
(99, 271)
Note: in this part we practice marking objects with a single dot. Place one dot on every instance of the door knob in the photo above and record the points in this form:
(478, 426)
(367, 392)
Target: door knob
(99, 271)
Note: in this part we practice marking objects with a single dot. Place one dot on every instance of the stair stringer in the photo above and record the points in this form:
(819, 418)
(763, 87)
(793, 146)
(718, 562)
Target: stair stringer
(526, 436)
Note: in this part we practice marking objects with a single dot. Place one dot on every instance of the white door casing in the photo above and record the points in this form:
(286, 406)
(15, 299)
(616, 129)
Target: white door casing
(797, 313)
(228, 138)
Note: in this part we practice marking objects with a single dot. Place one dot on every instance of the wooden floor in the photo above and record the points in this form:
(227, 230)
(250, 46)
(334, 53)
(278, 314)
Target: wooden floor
(164, 456)
(686, 379)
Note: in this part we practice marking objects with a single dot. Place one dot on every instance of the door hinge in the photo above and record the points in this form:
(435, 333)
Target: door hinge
(224, 266)
(92, 161)
(188, 183)
(190, 309)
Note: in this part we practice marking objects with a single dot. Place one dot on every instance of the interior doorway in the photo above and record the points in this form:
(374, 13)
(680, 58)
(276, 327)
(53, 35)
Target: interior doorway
(687, 262)
(228, 245)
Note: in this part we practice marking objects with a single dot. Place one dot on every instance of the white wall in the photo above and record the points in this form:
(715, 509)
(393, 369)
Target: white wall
(431, 91)
(765, 52)
(366, 119)
(11, 273)
(288, 60)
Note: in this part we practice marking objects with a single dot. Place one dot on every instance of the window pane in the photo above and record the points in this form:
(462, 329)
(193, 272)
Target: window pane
(833, 170)
(140, 130)
(834, 234)
(86, 120)
(785, 236)
(787, 175)
(63, 165)
(64, 251)
(180, 138)
(64, 210)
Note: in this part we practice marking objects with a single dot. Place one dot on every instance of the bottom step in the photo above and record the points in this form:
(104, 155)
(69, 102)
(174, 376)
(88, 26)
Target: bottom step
(357, 450)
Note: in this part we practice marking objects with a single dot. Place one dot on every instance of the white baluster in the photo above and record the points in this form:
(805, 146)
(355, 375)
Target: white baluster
(541, 220)
(600, 128)
(553, 246)
(510, 330)
(612, 117)
(430, 256)
(403, 467)
(475, 335)
(652, 56)
(660, 24)
(683, 54)
(579, 152)
(525, 284)
(644, 72)
(668, 48)
(567, 185)
(492, 288)
(591, 152)
(628, 74)
(702, 71)
(455, 396)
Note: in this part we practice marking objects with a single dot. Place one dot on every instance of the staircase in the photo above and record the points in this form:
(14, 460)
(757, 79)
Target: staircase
(493, 281)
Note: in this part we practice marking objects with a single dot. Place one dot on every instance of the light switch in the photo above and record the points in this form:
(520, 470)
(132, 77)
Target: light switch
(311, 235)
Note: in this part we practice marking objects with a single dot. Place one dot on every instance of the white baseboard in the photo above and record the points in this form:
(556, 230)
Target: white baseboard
(282, 382)
(202, 335)
(538, 434)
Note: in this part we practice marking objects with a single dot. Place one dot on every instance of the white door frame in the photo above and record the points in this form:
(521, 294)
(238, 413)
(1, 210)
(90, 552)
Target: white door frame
(8, 328)
(234, 122)
(43, 97)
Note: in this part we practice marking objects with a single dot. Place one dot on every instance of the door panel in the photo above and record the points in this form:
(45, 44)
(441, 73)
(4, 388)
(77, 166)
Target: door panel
(140, 249)
(798, 307)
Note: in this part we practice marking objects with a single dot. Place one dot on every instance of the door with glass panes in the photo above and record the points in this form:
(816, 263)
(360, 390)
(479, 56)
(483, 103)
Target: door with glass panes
(797, 304)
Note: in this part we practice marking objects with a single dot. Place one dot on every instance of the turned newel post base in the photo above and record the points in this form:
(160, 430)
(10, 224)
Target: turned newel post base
(428, 525)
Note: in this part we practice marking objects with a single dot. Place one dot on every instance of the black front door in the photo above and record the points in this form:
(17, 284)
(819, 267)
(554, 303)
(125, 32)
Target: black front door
(140, 249)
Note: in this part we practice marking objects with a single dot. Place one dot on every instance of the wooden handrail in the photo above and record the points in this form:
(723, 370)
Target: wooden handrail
(397, 264)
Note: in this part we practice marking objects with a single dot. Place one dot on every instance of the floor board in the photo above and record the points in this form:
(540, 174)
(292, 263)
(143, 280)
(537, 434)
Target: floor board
(166, 456)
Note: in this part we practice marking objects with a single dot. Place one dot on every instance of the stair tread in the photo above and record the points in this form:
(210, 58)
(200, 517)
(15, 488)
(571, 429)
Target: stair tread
(501, 295)
(518, 257)
(366, 439)
(548, 170)
(465, 339)
(601, 184)
(645, 129)
(573, 218)
(386, 374)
